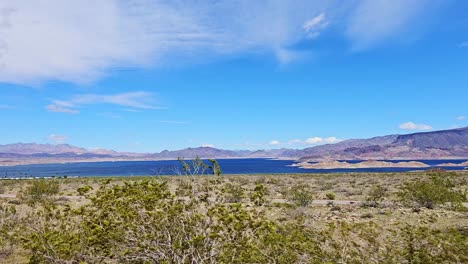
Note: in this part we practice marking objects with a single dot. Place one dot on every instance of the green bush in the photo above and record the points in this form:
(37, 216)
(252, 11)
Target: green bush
(40, 190)
(258, 196)
(232, 193)
(376, 196)
(439, 189)
(330, 196)
(142, 222)
(301, 195)
(84, 190)
(8, 223)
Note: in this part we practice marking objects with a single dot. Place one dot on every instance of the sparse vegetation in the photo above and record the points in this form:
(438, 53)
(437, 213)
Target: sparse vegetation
(230, 219)
(301, 194)
(39, 190)
(438, 190)
(376, 196)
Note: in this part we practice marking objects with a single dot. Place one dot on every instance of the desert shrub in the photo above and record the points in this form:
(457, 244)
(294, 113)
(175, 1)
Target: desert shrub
(185, 187)
(84, 190)
(420, 244)
(142, 222)
(325, 186)
(258, 196)
(232, 193)
(40, 190)
(439, 189)
(375, 196)
(301, 194)
(330, 196)
(8, 223)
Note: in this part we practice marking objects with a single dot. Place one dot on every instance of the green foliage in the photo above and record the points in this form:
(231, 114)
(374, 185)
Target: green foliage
(258, 196)
(438, 190)
(214, 166)
(376, 196)
(232, 193)
(420, 244)
(8, 227)
(40, 190)
(301, 195)
(145, 222)
(84, 190)
(198, 167)
(330, 196)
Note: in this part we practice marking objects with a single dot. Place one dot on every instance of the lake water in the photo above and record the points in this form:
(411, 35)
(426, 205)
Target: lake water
(228, 166)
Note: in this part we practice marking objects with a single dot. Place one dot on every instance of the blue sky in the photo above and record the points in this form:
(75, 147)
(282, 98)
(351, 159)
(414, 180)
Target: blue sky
(146, 75)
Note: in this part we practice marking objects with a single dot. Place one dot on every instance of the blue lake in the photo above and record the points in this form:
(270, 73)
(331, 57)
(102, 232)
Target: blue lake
(229, 166)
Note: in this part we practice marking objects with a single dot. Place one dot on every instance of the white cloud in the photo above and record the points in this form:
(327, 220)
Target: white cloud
(57, 139)
(461, 118)
(414, 126)
(376, 21)
(79, 41)
(319, 140)
(207, 146)
(142, 100)
(57, 108)
(314, 140)
(314, 26)
(274, 143)
(331, 140)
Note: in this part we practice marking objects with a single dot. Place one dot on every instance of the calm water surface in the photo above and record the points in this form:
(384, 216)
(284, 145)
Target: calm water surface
(229, 166)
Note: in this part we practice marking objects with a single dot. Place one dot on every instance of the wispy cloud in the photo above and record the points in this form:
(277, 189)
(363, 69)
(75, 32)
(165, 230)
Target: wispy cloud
(57, 139)
(461, 118)
(374, 22)
(79, 41)
(4, 106)
(314, 26)
(463, 44)
(86, 38)
(319, 140)
(314, 141)
(140, 100)
(61, 107)
(274, 143)
(414, 126)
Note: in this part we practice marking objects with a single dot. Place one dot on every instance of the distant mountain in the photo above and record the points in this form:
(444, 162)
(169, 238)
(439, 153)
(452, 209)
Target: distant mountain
(203, 152)
(33, 148)
(431, 145)
(428, 145)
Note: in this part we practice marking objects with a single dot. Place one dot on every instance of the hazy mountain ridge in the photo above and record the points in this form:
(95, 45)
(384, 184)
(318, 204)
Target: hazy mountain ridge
(432, 145)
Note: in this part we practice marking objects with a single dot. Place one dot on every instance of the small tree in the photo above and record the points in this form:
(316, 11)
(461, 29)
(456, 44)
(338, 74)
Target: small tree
(193, 167)
(215, 168)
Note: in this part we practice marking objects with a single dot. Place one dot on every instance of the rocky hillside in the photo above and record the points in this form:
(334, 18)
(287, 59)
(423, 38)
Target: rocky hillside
(428, 145)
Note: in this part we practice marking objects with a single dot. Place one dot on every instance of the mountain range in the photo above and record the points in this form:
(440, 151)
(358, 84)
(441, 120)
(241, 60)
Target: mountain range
(443, 144)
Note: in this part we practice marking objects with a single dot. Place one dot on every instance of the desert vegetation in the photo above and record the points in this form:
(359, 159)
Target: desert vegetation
(323, 218)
